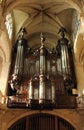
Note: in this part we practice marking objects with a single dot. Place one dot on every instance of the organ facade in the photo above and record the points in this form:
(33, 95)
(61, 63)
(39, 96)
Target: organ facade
(41, 77)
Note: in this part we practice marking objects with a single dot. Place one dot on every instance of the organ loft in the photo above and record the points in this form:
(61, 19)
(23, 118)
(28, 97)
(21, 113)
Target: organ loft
(40, 77)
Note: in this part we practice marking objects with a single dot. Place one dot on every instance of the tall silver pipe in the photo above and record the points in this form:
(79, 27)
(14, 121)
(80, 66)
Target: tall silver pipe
(42, 84)
(30, 91)
(53, 91)
(42, 89)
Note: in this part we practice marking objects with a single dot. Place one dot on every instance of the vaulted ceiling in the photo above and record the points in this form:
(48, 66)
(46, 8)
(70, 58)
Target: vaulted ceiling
(45, 16)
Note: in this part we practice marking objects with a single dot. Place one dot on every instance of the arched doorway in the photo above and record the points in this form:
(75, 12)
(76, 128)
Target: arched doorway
(41, 121)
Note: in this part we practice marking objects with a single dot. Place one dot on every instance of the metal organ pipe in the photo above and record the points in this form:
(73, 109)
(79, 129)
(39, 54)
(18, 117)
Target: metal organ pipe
(42, 83)
(65, 59)
(21, 44)
(42, 57)
(64, 54)
(19, 59)
(42, 89)
(30, 91)
(53, 91)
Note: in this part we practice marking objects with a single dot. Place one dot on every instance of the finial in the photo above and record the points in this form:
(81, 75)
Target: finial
(42, 39)
(62, 30)
(21, 32)
(22, 29)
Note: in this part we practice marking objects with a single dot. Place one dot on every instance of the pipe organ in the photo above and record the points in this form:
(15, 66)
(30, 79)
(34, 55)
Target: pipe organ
(42, 77)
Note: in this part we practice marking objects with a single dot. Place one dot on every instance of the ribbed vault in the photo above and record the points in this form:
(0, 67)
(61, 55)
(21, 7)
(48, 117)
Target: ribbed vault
(43, 16)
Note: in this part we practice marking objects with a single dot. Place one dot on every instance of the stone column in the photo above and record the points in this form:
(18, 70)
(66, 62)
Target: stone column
(5, 46)
(4, 77)
(79, 55)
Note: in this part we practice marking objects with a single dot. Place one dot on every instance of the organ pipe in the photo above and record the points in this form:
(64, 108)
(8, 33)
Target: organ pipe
(53, 91)
(21, 44)
(42, 57)
(42, 89)
(62, 49)
(30, 91)
(42, 84)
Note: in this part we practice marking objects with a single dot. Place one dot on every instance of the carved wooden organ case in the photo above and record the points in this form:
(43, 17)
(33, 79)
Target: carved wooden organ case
(41, 78)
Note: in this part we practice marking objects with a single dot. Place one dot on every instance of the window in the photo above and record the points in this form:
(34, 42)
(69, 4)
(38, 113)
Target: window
(9, 25)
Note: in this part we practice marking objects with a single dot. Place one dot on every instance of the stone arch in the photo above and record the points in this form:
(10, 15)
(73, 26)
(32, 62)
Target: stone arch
(64, 114)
